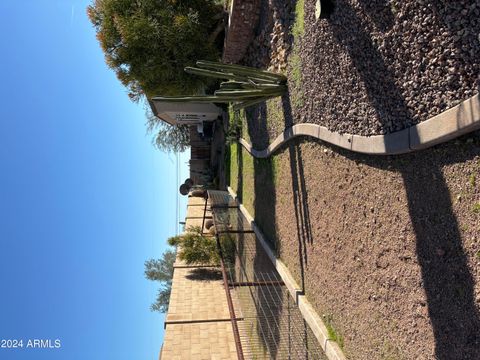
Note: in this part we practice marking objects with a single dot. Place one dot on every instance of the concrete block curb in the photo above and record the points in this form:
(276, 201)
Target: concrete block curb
(341, 140)
(457, 121)
(307, 130)
(246, 145)
(279, 140)
(395, 143)
(330, 347)
(452, 123)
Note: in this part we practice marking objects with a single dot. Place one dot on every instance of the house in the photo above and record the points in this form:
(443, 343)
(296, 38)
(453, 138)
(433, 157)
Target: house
(201, 118)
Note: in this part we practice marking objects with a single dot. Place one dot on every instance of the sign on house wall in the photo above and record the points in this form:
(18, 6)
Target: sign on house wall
(176, 113)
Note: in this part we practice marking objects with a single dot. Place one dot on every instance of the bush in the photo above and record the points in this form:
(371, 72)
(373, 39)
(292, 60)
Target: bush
(195, 248)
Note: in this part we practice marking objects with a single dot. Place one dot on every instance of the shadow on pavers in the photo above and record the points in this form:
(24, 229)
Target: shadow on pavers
(205, 274)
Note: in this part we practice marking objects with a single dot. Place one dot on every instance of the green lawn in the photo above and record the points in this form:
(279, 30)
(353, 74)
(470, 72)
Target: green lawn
(242, 179)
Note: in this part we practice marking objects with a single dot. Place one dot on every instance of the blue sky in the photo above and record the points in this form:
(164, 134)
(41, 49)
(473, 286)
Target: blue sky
(85, 199)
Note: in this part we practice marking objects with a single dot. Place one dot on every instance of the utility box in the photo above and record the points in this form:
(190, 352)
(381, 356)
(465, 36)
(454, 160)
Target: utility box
(185, 113)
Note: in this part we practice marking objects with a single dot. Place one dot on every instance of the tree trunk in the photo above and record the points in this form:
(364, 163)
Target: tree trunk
(213, 36)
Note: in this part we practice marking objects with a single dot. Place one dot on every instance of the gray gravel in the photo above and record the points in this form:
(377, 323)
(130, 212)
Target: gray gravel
(378, 66)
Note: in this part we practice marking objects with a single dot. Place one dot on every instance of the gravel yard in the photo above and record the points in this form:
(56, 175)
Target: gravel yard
(375, 66)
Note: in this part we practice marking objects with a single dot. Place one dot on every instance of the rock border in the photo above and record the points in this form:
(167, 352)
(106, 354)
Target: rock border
(330, 347)
(454, 122)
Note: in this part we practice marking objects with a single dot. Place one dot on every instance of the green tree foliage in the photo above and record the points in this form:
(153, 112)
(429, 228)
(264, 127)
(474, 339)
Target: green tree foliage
(161, 270)
(168, 138)
(163, 299)
(149, 42)
(194, 248)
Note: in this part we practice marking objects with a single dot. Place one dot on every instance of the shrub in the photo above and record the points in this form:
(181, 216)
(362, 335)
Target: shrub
(195, 248)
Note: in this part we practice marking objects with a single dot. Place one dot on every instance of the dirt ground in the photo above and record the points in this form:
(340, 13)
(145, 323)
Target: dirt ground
(387, 248)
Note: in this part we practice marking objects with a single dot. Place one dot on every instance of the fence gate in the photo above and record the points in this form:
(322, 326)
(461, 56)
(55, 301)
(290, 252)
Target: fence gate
(271, 325)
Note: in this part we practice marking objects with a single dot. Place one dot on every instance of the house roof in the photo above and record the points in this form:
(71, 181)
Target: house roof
(163, 117)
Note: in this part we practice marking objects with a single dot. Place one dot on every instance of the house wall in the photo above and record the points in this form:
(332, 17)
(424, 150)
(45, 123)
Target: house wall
(200, 151)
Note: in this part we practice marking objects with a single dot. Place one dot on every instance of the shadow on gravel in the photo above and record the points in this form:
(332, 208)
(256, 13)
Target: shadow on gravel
(379, 83)
(265, 187)
(448, 283)
(380, 12)
(446, 278)
(260, 49)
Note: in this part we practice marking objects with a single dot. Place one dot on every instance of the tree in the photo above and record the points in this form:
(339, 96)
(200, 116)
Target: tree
(168, 138)
(161, 270)
(149, 42)
(163, 299)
